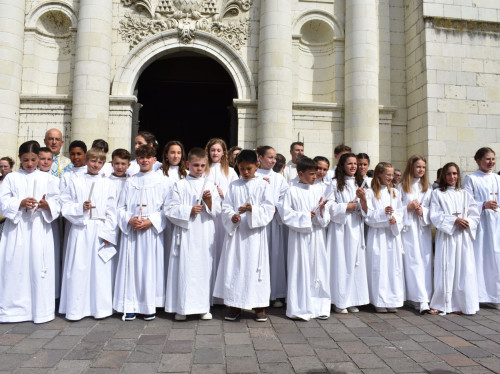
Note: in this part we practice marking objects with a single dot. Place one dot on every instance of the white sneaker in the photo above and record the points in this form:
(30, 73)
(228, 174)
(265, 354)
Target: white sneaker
(180, 317)
(424, 307)
(277, 304)
(341, 311)
(380, 310)
(353, 309)
(206, 316)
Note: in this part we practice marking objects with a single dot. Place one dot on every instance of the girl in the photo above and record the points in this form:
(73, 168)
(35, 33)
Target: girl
(484, 186)
(28, 198)
(143, 138)
(321, 172)
(363, 166)
(348, 279)
(384, 252)
(275, 233)
(417, 237)
(173, 161)
(221, 174)
(455, 215)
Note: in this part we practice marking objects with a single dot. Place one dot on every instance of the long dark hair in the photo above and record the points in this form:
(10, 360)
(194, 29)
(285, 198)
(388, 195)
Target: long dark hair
(442, 178)
(182, 162)
(340, 174)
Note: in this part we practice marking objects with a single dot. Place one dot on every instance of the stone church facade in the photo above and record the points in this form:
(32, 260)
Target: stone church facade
(389, 77)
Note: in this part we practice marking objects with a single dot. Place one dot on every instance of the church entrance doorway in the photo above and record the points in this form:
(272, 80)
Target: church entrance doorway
(187, 97)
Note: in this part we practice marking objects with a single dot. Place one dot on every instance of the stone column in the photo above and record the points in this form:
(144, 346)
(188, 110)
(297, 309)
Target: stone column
(275, 124)
(11, 71)
(361, 78)
(91, 85)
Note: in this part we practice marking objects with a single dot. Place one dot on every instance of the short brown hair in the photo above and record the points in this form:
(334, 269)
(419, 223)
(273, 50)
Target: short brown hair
(96, 153)
(341, 148)
(197, 152)
(145, 151)
(121, 153)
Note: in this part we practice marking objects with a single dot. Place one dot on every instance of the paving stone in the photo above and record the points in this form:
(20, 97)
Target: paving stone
(422, 356)
(331, 355)
(423, 338)
(353, 323)
(28, 346)
(235, 326)
(85, 351)
(45, 358)
(178, 346)
(158, 349)
(308, 364)
(342, 368)
(489, 346)
(240, 350)
(344, 337)
(286, 328)
(207, 369)
(354, 347)
(469, 335)
(455, 341)
(474, 370)
(322, 343)
(267, 344)
(102, 371)
(408, 345)
(11, 339)
(208, 356)
(438, 348)
(373, 341)
(120, 345)
(111, 359)
(439, 367)
(209, 341)
(181, 334)
(265, 357)
(367, 361)
(30, 371)
(276, 368)
(209, 330)
(80, 331)
(364, 332)
(393, 336)
(237, 338)
(175, 363)
(144, 357)
(457, 360)
(474, 352)
(242, 365)
(404, 365)
(97, 336)
(265, 332)
(24, 328)
(298, 350)
(63, 342)
(388, 352)
(152, 339)
(10, 361)
(44, 334)
(142, 368)
(314, 333)
(292, 338)
(492, 363)
(72, 366)
(124, 333)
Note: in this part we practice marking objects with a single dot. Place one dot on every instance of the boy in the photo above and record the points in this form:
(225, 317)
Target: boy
(103, 146)
(77, 151)
(243, 279)
(140, 279)
(308, 258)
(192, 208)
(120, 162)
(89, 203)
(45, 159)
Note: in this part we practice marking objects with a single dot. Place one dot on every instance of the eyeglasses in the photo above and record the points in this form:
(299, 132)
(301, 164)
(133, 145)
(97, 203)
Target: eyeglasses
(54, 139)
(4, 166)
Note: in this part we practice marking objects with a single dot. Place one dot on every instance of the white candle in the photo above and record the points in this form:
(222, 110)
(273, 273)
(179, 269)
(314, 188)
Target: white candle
(202, 190)
(34, 189)
(140, 204)
(91, 191)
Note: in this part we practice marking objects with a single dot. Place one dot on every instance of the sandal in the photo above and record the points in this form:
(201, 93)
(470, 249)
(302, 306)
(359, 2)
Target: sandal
(434, 312)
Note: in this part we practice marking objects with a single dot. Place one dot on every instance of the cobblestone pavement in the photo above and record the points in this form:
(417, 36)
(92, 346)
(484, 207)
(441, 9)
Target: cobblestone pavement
(353, 343)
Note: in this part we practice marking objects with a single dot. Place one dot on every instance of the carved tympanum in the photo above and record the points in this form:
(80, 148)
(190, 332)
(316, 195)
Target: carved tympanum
(224, 18)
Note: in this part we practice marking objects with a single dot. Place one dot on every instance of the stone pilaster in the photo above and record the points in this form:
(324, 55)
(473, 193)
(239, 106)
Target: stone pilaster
(92, 71)
(362, 78)
(275, 125)
(11, 70)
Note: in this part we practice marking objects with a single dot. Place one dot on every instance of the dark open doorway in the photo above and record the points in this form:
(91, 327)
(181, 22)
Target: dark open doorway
(187, 97)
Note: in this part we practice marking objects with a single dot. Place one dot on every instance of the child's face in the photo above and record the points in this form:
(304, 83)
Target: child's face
(197, 166)
(174, 155)
(350, 166)
(321, 169)
(77, 157)
(94, 165)
(247, 169)
(269, 160)
(451, 176)
(419, 169)
(29, 161)
(216, 153)
(363, 166)
(146, 163)
(139, 140)
(386, 177)
(487, 163)
(120, 166)
(308, 176)
(45, 161)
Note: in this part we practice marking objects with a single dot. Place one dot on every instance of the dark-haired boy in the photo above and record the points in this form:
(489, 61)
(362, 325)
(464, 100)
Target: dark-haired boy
(243, 278)
(140, 278)
(45, 159)
(192, 208)
(77, 151)
(308, 257)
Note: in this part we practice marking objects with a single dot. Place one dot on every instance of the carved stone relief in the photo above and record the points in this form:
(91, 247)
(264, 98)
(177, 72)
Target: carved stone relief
(226, 19)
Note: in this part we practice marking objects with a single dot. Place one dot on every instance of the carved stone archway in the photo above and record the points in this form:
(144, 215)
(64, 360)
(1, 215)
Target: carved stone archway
(167, 42)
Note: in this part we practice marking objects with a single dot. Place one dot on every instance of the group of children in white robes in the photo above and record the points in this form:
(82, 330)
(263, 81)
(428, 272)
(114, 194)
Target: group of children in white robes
(184, 233)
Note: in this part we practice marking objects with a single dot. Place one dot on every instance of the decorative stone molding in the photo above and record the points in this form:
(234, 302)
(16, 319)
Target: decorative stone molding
(222, 18)
(462, 25)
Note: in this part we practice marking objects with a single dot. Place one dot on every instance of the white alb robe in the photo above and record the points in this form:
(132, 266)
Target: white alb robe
(192, 250)
(134, 167)
(243, 279)
(346, 243)
(417, 244)
(455, 281)
(27, 274)
(486, 187)
(308, 260)
(88, 281)
(290, 172)
(140, 278)
(277, 234)
(384, 250)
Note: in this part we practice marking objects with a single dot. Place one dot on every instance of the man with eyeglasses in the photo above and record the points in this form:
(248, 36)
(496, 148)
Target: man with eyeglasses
(53, 140)
(397, 177)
